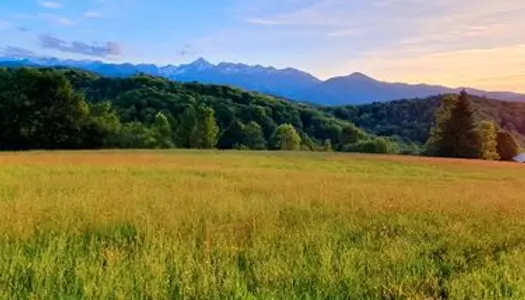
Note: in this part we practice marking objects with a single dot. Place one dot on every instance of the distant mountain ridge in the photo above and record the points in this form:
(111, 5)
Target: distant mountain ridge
(290, 83)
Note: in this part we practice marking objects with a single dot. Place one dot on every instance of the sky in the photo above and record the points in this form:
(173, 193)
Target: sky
(455, 43)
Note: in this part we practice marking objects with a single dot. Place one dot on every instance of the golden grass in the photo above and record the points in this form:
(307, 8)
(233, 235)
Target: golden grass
(255, 225)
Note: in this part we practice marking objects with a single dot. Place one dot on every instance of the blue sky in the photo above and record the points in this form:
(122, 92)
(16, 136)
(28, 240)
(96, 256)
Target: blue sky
(456, 43)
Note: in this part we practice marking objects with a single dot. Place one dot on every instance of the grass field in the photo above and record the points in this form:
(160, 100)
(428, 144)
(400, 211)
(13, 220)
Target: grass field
(239, 225)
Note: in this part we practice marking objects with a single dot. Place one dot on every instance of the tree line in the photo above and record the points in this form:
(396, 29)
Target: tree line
(56, 108)
(410, 120)
(60, 108)
(456, 133)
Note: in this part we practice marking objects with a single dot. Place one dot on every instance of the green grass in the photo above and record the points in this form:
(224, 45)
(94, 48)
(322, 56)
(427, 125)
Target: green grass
(249, 225)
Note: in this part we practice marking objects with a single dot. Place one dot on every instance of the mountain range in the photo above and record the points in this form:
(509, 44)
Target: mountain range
(289, 83)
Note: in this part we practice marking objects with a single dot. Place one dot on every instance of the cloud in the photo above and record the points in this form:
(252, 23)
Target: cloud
(24, 16)
(5, 25)
(185, 51)
(344, 33)
(50, 4)
(22, 29)
(105, 50)
(447, 42)
(324, 13)
(263, 21)
(56, 19)
(11, 51)
(92, 14)
(416, 25)
(8, 25)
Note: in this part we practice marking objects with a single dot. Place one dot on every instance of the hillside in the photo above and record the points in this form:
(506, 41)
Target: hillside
(290, 83)
(46, 108)
(411, 120)
(122, 113)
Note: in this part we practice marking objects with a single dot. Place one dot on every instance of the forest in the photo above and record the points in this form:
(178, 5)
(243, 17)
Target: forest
(410, 120)
(60, 108)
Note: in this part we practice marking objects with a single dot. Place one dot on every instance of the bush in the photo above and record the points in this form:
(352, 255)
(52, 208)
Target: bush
(379, 145)
(286, 138)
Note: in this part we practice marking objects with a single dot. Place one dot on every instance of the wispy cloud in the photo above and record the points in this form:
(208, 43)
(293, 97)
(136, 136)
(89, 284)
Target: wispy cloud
(56, 19)
(187, 50)
(92, 14)
(11, 51)
(104, 50)
(22, 29)
(4, 25)
(24, 16)
(458, 25)
(322, 13)
(443, 41)
(50, 4)
(263, 21)
(345, 33)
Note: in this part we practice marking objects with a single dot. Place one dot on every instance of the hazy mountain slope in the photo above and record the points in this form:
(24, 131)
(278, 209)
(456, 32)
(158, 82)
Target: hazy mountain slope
(289, 83)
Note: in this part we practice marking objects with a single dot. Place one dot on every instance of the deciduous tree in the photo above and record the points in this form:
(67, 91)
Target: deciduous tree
(162, 132)
(207, 128)
(286, 138)
(488, 132)
(233, 136)
(254, 136)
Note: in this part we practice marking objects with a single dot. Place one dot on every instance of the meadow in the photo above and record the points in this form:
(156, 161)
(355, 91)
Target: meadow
(259, 225)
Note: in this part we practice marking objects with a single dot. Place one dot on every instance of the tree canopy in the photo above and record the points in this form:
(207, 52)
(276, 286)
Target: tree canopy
(489, 140)
(410, 120)
(507, 146)
(456, 134)
(286, 137)
(60, 108)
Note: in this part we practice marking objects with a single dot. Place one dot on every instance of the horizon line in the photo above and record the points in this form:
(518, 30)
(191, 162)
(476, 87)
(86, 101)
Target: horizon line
(321, 79)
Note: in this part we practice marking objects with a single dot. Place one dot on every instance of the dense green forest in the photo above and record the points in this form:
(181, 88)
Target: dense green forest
(58, 108)
(411, 120)
(458, 133)
(61, 108)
